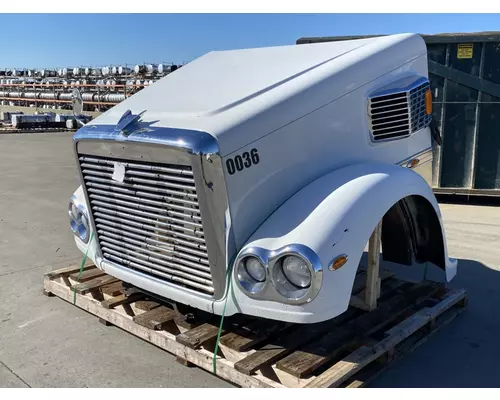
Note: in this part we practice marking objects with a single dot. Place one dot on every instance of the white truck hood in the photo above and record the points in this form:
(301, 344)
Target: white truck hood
(239, 96)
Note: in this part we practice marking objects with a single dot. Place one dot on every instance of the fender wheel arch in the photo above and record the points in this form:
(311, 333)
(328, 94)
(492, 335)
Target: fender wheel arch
(411, 232)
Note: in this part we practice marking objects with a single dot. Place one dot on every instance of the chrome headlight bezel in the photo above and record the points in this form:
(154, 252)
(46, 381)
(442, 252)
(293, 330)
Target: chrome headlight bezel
(245, 280)
(273, 288)
(79, 220)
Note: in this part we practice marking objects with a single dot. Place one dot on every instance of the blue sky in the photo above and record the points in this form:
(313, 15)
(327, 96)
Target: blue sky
(64, 40)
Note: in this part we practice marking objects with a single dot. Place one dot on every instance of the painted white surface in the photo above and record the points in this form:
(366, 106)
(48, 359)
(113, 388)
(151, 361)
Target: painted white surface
(239, 96)
(333, 136)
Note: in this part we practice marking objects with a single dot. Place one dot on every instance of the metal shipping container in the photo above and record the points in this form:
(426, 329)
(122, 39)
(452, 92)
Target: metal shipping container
(464, 72)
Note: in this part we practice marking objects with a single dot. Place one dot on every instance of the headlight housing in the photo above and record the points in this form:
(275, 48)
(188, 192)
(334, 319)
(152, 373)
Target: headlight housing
(78, 220)
(292, 274)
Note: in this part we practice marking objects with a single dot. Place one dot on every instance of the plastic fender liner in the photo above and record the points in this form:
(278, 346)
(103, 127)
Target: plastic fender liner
(411, 231)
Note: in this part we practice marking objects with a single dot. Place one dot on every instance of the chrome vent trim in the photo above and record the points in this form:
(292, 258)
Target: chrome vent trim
(399, 110)
(150, 222)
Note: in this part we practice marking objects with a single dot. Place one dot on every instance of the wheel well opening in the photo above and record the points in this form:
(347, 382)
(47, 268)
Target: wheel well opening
(411, 232)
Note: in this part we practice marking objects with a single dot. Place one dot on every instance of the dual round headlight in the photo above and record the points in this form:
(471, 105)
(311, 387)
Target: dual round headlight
(296, 271)
(291, 275)
(251, 274)
(78, 221)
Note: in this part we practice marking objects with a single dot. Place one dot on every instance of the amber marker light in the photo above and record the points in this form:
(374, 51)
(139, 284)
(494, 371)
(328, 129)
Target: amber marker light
(338, 262)
(428, 102)
(413, 163)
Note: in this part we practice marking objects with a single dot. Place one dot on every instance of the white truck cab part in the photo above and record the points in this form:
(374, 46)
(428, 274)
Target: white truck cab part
(266, 167)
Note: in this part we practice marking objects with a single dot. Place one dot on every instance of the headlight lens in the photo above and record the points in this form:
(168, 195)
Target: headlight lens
(78, 221)
(255, 269)
(292, 276)
(251, 274)
(296, 271)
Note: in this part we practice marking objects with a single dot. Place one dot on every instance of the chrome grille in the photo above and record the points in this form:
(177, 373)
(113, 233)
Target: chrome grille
(398, 114)
(151, 221)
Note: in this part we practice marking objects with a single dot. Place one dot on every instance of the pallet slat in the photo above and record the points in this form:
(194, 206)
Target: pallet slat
(199, 335)
(87, 287)
(146, 305)
(283, 346)
(120, 300)
(87, 275)
(113, 289)
(68, 270)
(243, 339)
(156, 318)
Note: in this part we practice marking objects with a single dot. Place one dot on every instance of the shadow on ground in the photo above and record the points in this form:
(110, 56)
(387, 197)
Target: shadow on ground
(464, 353)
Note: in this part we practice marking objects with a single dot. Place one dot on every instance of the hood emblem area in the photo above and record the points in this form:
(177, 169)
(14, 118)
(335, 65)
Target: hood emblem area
(127, 124)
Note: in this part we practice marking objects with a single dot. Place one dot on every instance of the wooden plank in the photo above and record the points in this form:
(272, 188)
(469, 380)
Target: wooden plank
(161, 339)
(285, 345)
(195, 338)
(121, 300)
(347, 367)
(67, 271)
(358, 293)
(87, 287)
(87, 275)
(146, 305)
(358, 301)
(359, 282)
(187, 322)
(372, 273)
(155, 319)
(242, 339)
(114, 289)
(304, 361)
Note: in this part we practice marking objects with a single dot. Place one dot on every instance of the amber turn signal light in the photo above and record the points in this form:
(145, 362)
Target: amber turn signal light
(413, 163)
(428, 102)
(338, 262)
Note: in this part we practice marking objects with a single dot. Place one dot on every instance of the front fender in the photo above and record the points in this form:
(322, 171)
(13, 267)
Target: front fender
(335, 215)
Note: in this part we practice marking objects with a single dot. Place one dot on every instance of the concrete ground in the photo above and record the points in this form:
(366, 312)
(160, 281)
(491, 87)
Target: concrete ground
(46, 342)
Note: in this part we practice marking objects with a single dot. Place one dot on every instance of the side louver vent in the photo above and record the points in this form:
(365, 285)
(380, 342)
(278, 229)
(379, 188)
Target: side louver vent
(400, 110)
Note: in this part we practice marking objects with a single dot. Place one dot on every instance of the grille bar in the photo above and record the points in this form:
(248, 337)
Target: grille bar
(145, 213)
(151, 189)
(150, 222)
(141, 266)
(89, 171)
(179, 270)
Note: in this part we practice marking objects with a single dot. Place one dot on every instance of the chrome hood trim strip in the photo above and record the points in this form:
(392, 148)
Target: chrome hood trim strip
(194, 142)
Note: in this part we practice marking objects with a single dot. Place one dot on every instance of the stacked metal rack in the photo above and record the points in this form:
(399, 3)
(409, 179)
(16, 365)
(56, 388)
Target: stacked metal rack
(101, 87)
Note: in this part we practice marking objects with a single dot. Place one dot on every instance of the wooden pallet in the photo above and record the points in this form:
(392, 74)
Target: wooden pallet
(347, 351)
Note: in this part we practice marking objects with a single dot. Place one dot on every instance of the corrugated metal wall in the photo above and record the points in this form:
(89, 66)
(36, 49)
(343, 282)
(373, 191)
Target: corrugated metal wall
(464, 71)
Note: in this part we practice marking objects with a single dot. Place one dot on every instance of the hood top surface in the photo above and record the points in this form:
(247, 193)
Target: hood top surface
(220, 81)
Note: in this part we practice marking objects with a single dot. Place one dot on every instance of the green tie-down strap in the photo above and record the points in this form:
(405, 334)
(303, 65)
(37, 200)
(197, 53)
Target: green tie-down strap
(81, 266)
(214, 361)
